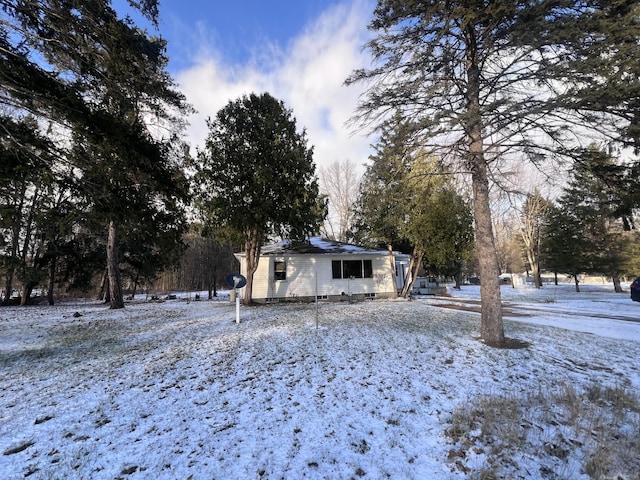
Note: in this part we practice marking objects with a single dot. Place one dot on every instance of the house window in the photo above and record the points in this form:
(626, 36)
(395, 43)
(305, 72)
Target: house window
(352, 269)
(279, 270)
(367, 268)
(336, 268)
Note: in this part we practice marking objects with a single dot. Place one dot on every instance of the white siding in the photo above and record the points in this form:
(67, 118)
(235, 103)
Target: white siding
(303, 269)
(260, 278)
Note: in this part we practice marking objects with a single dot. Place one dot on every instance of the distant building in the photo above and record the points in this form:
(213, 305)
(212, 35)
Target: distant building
(427, 286)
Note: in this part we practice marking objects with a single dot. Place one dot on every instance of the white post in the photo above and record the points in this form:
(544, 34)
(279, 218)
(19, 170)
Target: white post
(237, 306)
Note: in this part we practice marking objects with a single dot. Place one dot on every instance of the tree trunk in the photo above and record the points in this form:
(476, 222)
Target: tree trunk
(135, 287)
(408, 275)
(492, 328)
(105, 298)
(103, 286)
(13, 256)
(116, 299)
(535, 208)
(616, 284)
(252, 244)
(52, 280)
(537, 279)
(577, 282)
(211, 281)
(392, 261)
(8, 286)
(535, 266)
(25, 296)
(457, 278)
(414, 268)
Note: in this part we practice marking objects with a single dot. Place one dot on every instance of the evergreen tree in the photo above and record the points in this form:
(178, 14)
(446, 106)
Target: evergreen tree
(482, 79)
(630, 266)
(593, 220)
(449, 236)
(26, 193)
(564, 247)
(409, 201)
(256, 177)
(596, 200)
(103, 82)
(383, 200)
(438, 220)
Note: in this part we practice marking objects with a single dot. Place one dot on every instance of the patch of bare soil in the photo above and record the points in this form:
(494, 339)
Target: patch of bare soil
(508, 344)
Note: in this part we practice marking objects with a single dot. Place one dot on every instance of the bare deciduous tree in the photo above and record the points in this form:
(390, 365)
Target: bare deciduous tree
(532, 218)
(339, 183)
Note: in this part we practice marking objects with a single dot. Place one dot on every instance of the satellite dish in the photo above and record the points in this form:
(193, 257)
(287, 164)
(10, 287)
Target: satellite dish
(235, 280)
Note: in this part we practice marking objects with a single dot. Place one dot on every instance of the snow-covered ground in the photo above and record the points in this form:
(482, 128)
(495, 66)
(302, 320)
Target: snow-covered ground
(563, 307)
(178, 390)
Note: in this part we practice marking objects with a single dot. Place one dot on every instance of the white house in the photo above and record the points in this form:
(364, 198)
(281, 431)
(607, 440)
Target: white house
(302, 270)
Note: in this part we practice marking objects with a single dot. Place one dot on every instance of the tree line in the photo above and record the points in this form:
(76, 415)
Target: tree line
(96, 179)
(92, 162)
(590, 228)
(583, 230)
(412, 203)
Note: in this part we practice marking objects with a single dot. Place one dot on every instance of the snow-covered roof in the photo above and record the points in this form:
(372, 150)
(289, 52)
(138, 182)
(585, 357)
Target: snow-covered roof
(317, 245)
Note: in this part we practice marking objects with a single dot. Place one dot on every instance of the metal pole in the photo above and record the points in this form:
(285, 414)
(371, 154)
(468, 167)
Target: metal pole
(317, 300)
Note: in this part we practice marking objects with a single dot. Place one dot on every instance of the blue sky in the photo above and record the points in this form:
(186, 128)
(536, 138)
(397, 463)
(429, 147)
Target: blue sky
(300, 51)
(237, 28)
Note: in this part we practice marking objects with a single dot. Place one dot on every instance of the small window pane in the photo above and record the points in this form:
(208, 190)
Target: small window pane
(368, 269)
(280, 270)
(336, 268)
(352, 268)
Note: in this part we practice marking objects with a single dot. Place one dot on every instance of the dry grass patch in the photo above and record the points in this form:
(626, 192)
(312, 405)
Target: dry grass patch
(595, 432)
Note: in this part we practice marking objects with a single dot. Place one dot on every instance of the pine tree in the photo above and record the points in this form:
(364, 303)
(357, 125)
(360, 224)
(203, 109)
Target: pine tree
(481, 80)
(564, 247)
(27, 193)
(593, 198)
(409, 200)
(383, 200)
(103, 83)
(591, 220)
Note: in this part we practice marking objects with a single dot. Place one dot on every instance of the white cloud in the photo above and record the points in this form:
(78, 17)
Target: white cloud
(307, 74)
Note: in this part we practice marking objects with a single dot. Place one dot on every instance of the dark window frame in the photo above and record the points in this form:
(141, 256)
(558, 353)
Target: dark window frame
(343, 269)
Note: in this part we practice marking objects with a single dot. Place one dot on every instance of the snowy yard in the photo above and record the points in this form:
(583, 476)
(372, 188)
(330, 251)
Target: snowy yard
(382, 389)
